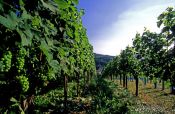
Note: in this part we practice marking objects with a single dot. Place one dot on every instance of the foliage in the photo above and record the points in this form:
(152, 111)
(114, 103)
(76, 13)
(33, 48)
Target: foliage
(42, 42)
(108, 98)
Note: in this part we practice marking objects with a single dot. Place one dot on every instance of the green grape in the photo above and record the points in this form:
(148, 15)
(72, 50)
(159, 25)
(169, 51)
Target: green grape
(43, 77)
(6, 61)
(23, 80)
(21, 59)
(22, 52)
(20, 63)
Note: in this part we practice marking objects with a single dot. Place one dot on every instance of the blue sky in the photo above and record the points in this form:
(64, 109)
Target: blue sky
(112, 24)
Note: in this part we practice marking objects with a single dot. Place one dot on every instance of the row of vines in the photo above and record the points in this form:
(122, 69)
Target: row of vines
(43, 46)
(152, 55)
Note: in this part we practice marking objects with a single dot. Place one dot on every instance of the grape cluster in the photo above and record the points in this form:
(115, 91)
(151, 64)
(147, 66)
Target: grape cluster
(6, 62)
(42, 76)
(21, 59)
(23, 80)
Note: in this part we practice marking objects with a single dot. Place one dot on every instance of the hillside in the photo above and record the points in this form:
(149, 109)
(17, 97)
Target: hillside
(101, 60)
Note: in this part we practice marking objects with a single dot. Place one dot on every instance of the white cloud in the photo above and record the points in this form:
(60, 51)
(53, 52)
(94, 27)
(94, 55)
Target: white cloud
(117, 36)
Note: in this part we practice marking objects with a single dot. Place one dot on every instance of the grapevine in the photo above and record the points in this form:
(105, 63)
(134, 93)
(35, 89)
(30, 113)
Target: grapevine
(43, 43)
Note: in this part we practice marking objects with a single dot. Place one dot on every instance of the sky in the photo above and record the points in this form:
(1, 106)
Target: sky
(112, 24)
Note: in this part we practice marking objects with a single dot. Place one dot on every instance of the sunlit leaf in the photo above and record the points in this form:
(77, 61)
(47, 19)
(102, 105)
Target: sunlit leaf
(61, 3)
(13, 100)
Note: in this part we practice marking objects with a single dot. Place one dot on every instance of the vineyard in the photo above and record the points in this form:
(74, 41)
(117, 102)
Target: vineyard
(47, 64)
(151, 58)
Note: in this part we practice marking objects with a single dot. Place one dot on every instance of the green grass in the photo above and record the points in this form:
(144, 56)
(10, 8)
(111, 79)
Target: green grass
(152, 101)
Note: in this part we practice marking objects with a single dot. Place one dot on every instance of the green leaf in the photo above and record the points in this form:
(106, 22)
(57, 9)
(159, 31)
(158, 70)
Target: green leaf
(54, 63)
(159, 23)
(62, 4)
(21, 2)
(161, 16)
(63, 65)
(173, 12)
(25, 15)
(165, 29)
(24, 40)
(49, 6)
(13, 100)
(69, 32)
(7, 22)
(75, 1)
(1, 6)
(46, 50)
(29, 34)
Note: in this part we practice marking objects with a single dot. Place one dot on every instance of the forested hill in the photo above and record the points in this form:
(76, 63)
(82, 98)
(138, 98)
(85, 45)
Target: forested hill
(101, 60)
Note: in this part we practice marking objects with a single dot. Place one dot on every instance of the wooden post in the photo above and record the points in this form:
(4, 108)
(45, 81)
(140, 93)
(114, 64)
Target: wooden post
(78, 84)
(126, 86)
(137, 84)
(120, 79)
(163, 85)
(124, 80)
(65, 94)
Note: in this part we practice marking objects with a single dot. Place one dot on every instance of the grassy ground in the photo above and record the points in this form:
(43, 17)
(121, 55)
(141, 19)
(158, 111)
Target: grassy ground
(102, 96)
(98, 100)
(152, 101)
